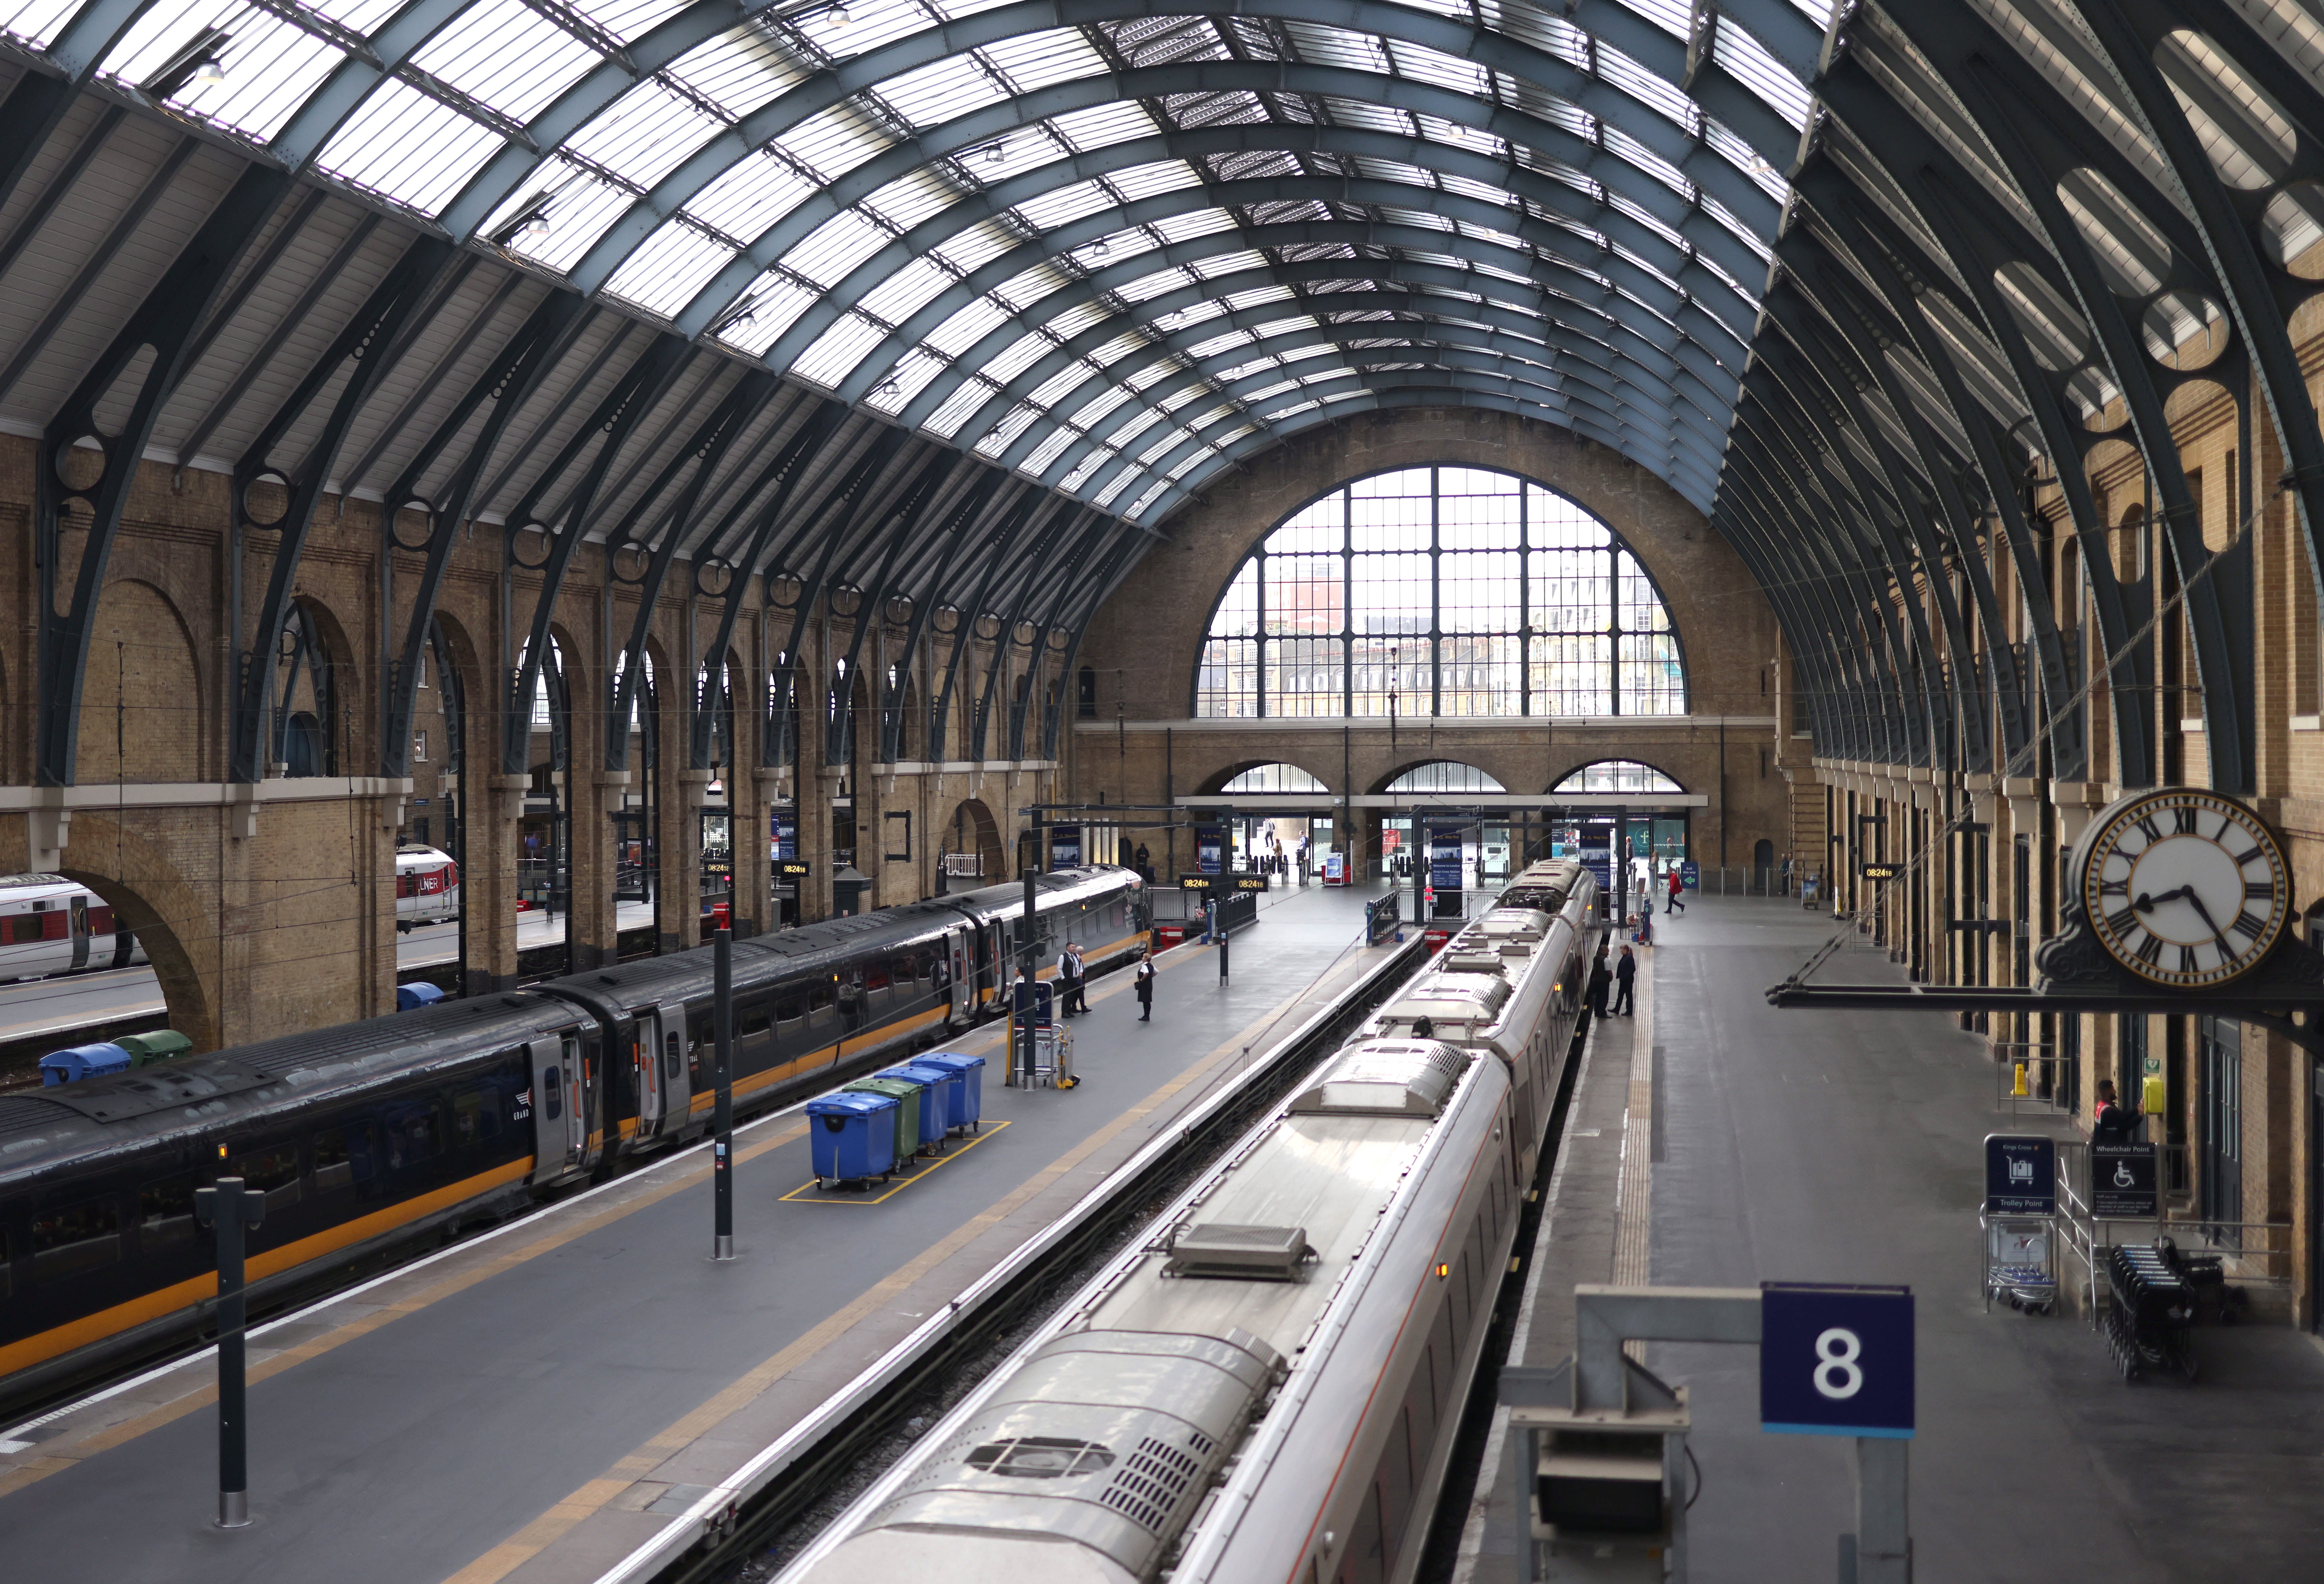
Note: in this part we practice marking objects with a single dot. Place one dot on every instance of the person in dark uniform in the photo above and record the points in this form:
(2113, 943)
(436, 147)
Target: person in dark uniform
(1145, 978)
(1601, 979)
(1625, 972)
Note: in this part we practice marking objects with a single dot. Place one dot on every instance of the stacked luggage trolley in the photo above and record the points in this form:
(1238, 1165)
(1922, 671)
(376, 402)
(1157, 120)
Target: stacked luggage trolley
(2150, 1320)
(877, 1127)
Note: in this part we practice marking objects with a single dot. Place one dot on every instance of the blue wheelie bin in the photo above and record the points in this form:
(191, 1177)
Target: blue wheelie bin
(75, 1063)
(853, 1136)
(936, 1101)
(968, 1096)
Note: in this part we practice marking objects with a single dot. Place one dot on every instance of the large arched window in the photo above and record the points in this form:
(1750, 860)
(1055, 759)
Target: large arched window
(1441, 591)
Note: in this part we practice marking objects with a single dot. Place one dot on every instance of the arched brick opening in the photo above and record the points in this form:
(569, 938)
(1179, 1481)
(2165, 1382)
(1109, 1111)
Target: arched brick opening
(1217, 779)
(139, 720)
(972, 829)
(177, 929)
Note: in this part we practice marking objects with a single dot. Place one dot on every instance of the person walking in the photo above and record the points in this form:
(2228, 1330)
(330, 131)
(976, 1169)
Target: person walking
(1145, 979)
(1626, 973)
(1601, 979)
(1675, 887)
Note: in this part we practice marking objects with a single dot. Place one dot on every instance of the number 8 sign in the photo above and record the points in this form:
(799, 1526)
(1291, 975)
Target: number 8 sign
(1835, 1360)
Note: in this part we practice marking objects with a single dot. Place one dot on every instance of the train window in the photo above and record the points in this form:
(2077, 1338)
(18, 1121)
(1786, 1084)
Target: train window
(165, 1213)
(670, 1061)
(819, 999)
(336, 1163)
(414, 1137)
(552, 1093)
(74, 1238)
(790, 1012)
(272, 1172)
(476, 1116)
(875, 977)
(751, 1018)
(24, 927)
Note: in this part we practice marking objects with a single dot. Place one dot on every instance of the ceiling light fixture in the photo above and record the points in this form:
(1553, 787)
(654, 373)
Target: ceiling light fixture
(836, 18)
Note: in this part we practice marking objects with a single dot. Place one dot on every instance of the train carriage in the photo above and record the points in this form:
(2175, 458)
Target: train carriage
(50, 925)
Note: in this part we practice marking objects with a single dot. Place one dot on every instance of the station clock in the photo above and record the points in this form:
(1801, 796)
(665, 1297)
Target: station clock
(2182, 887)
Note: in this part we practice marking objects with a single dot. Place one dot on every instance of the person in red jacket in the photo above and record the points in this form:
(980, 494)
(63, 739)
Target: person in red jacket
(1676, 904)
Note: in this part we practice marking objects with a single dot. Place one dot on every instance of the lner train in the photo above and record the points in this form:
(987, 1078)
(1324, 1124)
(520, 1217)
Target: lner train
(1268, 1390)
(462, 1112)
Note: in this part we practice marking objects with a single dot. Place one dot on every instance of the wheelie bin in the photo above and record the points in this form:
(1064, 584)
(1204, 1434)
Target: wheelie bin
(935, 1104)
(967, 1108)
(853, 1136)
(908, 1099)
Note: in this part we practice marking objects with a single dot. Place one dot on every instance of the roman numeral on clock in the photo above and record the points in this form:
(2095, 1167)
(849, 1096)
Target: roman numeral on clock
(2243, 857)
(2190, 821)
(2114, 889)
(2123, 922)
(2150, 950)
(2146, 822)
(2259, 891)
(2187, 959)
(2249, 924)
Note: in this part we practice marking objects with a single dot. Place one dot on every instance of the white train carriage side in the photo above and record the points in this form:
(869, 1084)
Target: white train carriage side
(50, 925)
(426, 886)
(1271, 1390)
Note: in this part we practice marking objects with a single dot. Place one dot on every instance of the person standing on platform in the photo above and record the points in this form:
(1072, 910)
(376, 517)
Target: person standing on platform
(1626, 973)
(1601, 979)
(1067, 978)
(1145, 987)
(1675, 887)
(1081, 980)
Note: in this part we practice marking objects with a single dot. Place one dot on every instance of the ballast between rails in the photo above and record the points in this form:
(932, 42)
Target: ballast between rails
(696, 1543)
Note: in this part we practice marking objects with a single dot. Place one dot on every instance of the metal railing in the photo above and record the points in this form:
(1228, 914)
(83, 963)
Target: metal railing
(2252, 1253)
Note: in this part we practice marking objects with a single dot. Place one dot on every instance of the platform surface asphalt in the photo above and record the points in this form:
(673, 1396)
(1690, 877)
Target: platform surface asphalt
(533, 1402)
(1832, 1146)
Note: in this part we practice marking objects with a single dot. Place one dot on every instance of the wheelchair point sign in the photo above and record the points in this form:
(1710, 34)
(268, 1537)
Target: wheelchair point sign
(1835, 1360)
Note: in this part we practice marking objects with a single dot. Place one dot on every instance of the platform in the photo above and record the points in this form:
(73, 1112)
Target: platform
(533, 1404)
(1715, 1141)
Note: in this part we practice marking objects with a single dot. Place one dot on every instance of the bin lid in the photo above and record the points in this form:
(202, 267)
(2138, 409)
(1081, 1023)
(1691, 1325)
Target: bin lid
(83, 1061)
(919, 1078)
(949, 1059)
(897, 1087)
(926, 1072)
(152, 1047)
(850, 1104)
(418, 994)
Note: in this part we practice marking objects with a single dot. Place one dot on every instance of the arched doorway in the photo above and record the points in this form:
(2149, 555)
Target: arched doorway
(968, 851)
(1627, 820)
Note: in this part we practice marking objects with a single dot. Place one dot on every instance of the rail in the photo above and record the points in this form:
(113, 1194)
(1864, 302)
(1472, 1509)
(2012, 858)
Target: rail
(784, 1477)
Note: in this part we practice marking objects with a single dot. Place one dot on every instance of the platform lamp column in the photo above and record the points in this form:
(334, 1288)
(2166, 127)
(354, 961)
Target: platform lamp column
(1028, 960)
(229, 1209)
(721, 1160)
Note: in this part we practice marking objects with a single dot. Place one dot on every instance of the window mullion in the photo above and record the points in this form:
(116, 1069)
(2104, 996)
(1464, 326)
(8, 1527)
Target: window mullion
(1613, 629)
(1258, 659)
(1435, 592)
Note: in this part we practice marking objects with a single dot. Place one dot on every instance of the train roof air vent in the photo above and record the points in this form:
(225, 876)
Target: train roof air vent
(1384, 1078)
(1039, 1457)
(1470, 960)
(1219, 1248)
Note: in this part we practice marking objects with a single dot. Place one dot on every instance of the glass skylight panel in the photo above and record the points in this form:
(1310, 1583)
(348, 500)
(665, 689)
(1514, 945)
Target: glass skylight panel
(1649, 90)
(871, 24)
(507, 55)
(270, 67)
(836, 247)
(676, 261)
(940, 91)
(1036, 60)
(1331, 46)
(1144, 418)
(1217, 266)
(907, 291)
(1171, 439)
(964, 400)
(1153, 492)
(1080, 316)
(1021, 356)
(1194, 223)
(913, 196)
(750, 195)
(740, 69)
(837, 350)
(1670, 15)
(1396, 215)
(971, 250)
(1119, 347)
(627, 19)
(645, 133)
(1277, 389)
(1155, 285)
(1095, 411)
(1059, 385)
(405, 145)
(1748, 61)
(832, 142)
(1009, 155)
(1211, 414)
(1259, 295)
(580, 209)
(772, 305)
(1064, 205)
(1021, 291)
(1004, 433)
(1433, 67)
(37, 21)
(1103, 126)
(1154, 373)
(1037, 461)
(1371, 117)
(905, 381)
(1218, 343)
(1086, 469)
(1116, 485)
(965, 328)
(1143, 182)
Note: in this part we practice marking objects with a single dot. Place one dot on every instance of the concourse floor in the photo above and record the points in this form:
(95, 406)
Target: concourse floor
(536, 1403)
(1715, 1141)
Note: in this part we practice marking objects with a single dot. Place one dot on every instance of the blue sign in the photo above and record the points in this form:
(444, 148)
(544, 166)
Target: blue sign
(785, 833)
(2020, 1174)
(1835, 1360)
(1689, 875)
(1210, 843)
(1445, 857)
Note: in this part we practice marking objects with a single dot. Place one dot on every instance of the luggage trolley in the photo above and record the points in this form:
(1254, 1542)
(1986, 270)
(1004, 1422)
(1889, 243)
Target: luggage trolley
(2021, 1261)
(1052, 1042)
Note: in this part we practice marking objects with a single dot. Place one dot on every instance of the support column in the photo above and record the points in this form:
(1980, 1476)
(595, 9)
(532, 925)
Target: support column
(589, 926)
(488, 888)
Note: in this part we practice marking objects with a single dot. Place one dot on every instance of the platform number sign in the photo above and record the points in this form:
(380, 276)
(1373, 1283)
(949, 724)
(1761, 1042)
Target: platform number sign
(1835, 1360)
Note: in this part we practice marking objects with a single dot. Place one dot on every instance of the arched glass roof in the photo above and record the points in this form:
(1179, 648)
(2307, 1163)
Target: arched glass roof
(1114, 253)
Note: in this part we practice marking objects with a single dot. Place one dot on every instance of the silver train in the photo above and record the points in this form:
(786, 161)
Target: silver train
(1270, 1388)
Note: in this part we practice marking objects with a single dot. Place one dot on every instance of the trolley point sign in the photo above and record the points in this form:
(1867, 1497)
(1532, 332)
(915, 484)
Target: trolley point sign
(2020, 1174)
(1835, 1360)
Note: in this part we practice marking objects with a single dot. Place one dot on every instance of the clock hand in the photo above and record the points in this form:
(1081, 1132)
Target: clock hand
(2205, 914)
(2147, 904)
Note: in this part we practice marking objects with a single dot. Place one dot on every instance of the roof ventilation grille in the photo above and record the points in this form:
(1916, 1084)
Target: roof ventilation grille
(1147, 1487)
(1219, 1248)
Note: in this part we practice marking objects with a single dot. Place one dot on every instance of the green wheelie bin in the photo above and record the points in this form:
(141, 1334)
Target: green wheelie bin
(907, 1097)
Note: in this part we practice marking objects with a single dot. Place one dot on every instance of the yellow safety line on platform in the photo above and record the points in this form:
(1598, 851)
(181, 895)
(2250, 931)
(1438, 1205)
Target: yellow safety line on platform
(811, 1191)
(552, 1525)
(1634, 1188)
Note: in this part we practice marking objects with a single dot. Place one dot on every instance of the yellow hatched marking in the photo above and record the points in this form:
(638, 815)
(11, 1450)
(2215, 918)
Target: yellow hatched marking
(811, 1192)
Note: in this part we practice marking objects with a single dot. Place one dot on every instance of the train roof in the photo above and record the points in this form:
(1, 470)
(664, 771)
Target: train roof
(193, 1094)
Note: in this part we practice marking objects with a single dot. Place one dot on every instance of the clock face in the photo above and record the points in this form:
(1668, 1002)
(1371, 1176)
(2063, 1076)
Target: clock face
(2185, 887)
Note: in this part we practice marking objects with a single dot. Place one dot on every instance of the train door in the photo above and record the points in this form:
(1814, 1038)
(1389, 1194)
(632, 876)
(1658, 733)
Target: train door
(561, 1116)
(961, 987)
(80, 931)
(660, 1056)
